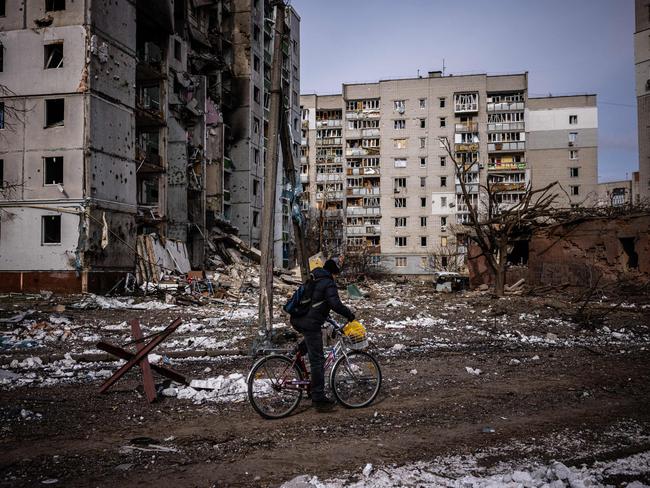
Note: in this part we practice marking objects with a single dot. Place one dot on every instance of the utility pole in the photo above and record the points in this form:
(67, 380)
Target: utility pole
(270, 180)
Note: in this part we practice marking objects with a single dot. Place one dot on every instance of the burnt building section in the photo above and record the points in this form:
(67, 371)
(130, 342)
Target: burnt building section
(109, 133)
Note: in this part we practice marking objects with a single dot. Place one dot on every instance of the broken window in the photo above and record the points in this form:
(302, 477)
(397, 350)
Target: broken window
(2, 8)
(573, 154)
(53, 171)
(256, 125)
(630, 252)
(423, 241)
(423, 162)
(53, 55)
(399, 105)
(443, 202)
(444, 261)
(423, 142)
(423, 181)
(256, 187)
(177, 50)
(256, 219)
(423, 221)
(423, 103)
(573, 136)
(2, 173)
(2, 57)
(443, 121)
(443, 222)
(443, 181)
(2, 115)
(256, 33)
(399, 124)
(400, 221)
(423, 123)
(400, 262)
(52, 5)
(574, 190)
(150, 192)
(443, 160)
(574, 172)
(443, 241)
(443, 102)
(573, 119)
(399, 144)
(423, 201)
(256, 94)
(51, 229)
(519, 253)
(400, 202)
(400, 183)
(256, 63)
(400, 241)
(54, 112)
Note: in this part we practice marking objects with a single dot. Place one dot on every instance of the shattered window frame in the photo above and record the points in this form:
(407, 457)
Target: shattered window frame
(49, 108)
(54, 5)
(574, 172)
(443, 181)
(52, 167)
(53, 55)
(401, 241)
(50, 230)
(401, 262)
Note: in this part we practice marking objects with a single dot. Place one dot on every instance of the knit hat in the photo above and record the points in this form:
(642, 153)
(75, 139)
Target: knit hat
(332, 266)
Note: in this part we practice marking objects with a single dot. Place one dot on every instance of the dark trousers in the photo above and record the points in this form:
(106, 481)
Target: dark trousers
(313, 343)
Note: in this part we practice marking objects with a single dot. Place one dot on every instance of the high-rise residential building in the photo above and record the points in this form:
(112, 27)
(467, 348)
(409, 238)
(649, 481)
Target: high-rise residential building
(563, 146)
(157, 126)
(642, 67)
(374, 159)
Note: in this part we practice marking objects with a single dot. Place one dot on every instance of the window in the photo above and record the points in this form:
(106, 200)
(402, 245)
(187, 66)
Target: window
(423, 221)
(256, 156)
(51, 229)
(399, 124)
(573, 136)
(399, 143)
(443, 202)
(443, 160)
(442, 102)
(423, 103)
(53, 171)
(423, 142)
(400, 262)
(256, 218)
(423, 123)
(423, 162)
(53, 55)
(400, 221)
(2, 55)
(573, 119)
(256, 125)
(2, 8)
(444, 261)
(423, 201)
(443, 121)
(256, 187)
(443, 221)
(574, 172)
(256, 33)
(256, 63)
(400, 202)
(400, 163)
(443, 241)
(2, 173)
(2, 115)
(52, 5)
(54, 112)
(399, 183)
(400, 241)
(443, 181)
(177, 50)
(256, 94)
(574, 190)
(573, 154)
(423, 241)
(399, 105)
(423, 181)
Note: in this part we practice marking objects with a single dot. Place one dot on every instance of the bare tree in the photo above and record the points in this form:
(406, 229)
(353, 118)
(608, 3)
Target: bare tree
(447, 258)
(325, 225)
(493, 224)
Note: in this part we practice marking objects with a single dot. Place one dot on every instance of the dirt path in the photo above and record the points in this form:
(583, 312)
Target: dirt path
(438, 411)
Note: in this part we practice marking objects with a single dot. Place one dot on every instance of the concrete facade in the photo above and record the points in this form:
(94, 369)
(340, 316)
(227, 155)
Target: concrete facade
(122, 131)
(563, 146)
(642, 70)
(372, 156)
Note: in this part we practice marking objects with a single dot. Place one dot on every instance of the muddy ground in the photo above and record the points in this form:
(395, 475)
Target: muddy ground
(550, 387)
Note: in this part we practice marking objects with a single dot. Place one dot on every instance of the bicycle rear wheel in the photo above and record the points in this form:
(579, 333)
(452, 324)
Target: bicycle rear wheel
(274, 386)
(356, 379)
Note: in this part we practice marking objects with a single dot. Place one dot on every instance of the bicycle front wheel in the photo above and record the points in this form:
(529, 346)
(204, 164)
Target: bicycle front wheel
(275, 386)
(356, 379)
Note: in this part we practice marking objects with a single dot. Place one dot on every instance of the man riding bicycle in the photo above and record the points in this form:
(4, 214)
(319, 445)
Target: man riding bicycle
(325, 297)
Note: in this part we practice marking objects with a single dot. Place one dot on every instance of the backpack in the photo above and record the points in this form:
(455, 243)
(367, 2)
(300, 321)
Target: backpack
(300, 302)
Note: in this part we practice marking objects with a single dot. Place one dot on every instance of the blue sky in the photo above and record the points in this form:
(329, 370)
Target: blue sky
(567, 46)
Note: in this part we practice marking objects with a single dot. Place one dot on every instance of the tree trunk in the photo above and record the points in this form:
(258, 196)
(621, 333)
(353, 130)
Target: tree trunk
(500, 272)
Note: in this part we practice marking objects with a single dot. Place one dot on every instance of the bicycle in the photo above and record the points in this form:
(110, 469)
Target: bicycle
(277, 382)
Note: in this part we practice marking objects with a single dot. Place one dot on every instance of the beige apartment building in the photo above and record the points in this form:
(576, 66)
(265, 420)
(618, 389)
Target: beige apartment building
(642, 68)
(372, 158)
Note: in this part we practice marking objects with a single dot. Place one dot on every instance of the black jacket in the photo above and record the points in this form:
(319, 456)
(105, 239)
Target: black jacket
(324, 298)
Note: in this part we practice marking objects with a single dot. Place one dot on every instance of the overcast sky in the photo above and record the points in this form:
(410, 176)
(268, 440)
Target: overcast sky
(567, 46)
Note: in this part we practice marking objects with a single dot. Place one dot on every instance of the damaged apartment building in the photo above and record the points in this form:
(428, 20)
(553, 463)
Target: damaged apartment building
(128, 117)
(373, 163)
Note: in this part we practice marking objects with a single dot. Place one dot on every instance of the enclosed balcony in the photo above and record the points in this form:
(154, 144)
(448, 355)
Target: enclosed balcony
(465, 103)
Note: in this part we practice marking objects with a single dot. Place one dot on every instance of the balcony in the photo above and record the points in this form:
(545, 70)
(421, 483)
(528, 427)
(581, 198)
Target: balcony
(149, 159)
(329, 159)
(360, 191)
(304, 142)
(505, 126)
(465, 103)
(329, 196)
(369, 171)
(337, 212)
(324, 177)
(361, 151)
(328, 123)
(329, 141)
(304, 178)
(506, 187)
(505, 106)
(507, 166)
(363, 230)
(363, 210)
(506, 146)
(303, 159)
(466, 147)
(227, 164)
(467, 127)
(364, 114)
(471, 188)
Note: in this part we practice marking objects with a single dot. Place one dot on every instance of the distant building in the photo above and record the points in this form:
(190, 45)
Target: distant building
(372, 158)
(642, 67)
(615, 193)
